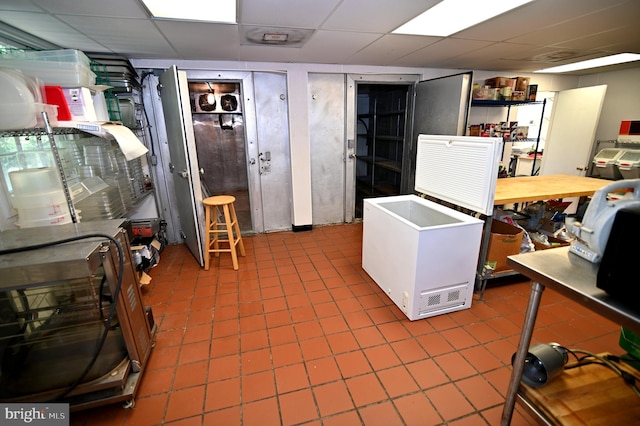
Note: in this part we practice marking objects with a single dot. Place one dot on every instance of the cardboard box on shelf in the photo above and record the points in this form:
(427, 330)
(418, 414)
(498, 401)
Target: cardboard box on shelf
(521, 84)
(505, 240)
(498, 82)
(518, 95)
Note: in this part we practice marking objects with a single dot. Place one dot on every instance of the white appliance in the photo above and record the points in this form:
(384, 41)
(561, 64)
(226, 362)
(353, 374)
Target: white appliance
(593, 232)
(422, 254)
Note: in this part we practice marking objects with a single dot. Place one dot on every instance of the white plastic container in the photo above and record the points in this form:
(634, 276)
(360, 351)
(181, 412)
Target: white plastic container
(422, 254)
(629, 164)
(35, 181)
(64, 74)
(605, 163)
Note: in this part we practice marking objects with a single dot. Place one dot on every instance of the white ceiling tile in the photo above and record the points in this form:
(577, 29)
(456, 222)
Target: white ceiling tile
(442, 51)
(113, 8)
(379, 16)
(389, 48)
(129, 36)
(334, 47)
(298, 14)
(197, 40)
(49, 28)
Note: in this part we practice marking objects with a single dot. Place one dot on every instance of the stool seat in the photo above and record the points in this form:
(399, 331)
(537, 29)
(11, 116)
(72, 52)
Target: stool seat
(220, 218)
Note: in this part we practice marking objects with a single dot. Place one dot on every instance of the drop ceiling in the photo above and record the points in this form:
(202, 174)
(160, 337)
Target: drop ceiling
(538, 35)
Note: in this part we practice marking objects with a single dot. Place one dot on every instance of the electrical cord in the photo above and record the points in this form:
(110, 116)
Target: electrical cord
(116, 293)
(607, 361)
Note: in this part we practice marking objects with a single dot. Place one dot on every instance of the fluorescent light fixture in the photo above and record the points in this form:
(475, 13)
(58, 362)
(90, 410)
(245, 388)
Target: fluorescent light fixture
(451, 16)
(223, 11)
(620, 58)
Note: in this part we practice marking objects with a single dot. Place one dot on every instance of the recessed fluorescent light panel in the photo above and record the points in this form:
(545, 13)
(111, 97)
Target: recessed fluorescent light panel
(594, 63)
(451, 16)
(223, 11)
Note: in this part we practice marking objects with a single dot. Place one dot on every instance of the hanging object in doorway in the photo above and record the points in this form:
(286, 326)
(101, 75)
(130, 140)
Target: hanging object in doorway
(207, 101)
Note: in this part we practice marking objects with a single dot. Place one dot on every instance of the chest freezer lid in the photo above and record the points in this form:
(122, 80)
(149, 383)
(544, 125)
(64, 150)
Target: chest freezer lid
(461, 170)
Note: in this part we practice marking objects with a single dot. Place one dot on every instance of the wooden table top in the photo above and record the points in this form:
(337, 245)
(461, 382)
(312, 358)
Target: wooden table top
(536, 188)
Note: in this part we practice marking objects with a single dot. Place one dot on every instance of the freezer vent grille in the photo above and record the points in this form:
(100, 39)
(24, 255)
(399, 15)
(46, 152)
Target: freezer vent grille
(434, 300)
(441, 299)
(453, 295)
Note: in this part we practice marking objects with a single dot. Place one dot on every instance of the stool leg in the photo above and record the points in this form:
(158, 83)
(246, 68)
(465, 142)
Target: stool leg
(215, 225)
(237, 228)
(207, 221)
(232, 245)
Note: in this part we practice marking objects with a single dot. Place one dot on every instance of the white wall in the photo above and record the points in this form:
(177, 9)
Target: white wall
(622, 101)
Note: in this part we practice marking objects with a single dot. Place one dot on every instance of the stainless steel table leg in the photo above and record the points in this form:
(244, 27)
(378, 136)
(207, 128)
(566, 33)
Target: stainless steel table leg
(481, 280)
(523, 347)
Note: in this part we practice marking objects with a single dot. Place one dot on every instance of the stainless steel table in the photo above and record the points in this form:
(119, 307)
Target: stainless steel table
(572, 277)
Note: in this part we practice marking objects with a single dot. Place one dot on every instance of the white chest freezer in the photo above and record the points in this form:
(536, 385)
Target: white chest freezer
(422, 254)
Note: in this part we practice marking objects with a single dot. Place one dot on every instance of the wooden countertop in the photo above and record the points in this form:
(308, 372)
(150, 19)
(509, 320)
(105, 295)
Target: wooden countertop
(536, 188)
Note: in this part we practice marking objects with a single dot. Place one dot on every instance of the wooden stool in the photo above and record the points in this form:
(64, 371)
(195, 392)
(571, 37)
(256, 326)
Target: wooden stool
(216, 227)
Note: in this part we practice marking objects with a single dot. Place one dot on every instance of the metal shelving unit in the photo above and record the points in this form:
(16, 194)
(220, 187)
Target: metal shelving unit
(508, 105)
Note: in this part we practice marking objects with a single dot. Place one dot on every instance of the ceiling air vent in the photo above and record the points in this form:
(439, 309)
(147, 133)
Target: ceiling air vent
(274, 36)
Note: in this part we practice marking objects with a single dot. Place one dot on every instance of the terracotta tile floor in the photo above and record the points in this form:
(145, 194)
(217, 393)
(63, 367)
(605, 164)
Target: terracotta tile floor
(301, 335)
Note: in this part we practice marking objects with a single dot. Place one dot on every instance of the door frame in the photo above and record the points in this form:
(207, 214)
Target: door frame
(351, 116)
(245, 79)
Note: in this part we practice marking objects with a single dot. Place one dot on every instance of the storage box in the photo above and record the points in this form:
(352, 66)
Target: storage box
(65, 74)
(505, 240)
(522, 83)
(628, 164)
(498, 82)
(80, 102)
(605, 163)
(553, 243)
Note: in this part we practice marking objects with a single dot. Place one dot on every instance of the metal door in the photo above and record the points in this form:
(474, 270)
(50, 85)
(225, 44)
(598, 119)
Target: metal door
(326, 118)
(184, 162)
(274, 158)
(574, 120)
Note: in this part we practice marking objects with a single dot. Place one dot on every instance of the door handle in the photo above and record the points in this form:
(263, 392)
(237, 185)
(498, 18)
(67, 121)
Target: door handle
(581, 168)
(352, 155)
(184, 174)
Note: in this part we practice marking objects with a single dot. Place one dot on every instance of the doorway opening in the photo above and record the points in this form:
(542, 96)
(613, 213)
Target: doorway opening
(382, 140)
(220, 137)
